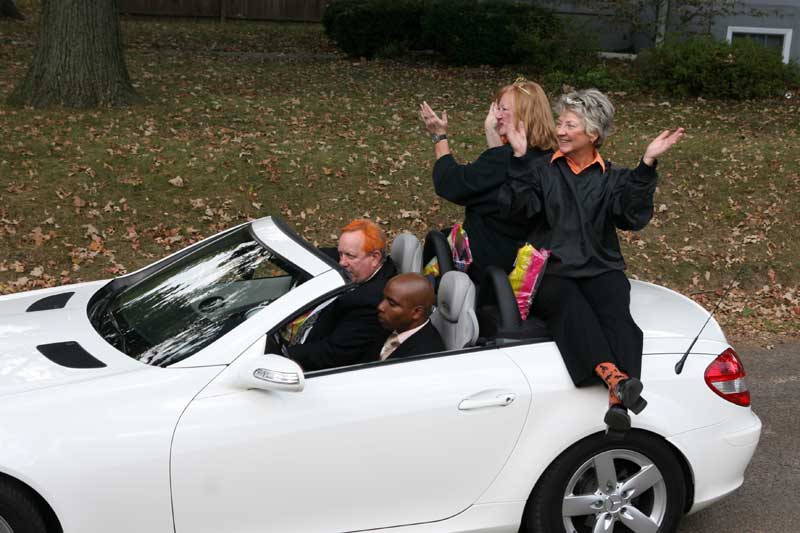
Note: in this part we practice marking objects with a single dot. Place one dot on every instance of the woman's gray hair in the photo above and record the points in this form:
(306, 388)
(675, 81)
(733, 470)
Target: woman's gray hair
(594, 108)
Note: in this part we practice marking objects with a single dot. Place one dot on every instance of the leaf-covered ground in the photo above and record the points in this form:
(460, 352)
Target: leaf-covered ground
(248, 119)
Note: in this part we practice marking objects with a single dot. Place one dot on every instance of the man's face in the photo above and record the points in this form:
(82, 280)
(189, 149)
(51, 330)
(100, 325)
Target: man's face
(352, 257)
(396, 311)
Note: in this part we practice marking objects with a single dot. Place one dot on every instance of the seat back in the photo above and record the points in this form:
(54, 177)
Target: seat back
(436, 245)
(406, 253)
(454, 317)
(496, 292)
(498, 313)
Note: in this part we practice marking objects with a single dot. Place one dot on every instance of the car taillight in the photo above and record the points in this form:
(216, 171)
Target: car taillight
(726, 376)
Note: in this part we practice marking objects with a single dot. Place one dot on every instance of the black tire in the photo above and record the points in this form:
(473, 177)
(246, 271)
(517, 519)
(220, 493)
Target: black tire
(639, 456)
(18, 510)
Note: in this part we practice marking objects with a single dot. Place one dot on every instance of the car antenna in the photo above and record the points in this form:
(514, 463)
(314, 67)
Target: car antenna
(679, 364)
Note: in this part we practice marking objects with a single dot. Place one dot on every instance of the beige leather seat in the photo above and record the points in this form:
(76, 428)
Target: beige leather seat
(406, 253)
(454, 316)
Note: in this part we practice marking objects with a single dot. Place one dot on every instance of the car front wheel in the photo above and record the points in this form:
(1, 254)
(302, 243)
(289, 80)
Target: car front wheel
(602, 485)
(18, 511)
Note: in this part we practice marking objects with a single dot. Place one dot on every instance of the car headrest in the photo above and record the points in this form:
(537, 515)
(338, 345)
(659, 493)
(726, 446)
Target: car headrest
(455, 311)
(436, 245)
(406, 253)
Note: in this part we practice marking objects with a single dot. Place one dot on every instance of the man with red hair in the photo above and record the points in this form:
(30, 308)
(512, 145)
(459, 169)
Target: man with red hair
(345, 329)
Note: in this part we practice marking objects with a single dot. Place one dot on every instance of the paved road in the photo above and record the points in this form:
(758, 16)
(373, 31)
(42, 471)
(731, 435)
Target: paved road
(767, 500)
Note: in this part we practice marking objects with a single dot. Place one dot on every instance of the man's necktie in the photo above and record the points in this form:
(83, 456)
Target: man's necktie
(390, 345)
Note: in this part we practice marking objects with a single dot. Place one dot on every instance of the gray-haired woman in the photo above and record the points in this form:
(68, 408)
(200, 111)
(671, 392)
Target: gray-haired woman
(574, 203)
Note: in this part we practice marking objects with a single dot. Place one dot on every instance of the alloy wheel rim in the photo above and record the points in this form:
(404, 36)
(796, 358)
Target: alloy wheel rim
(615, 487)
(4, 526)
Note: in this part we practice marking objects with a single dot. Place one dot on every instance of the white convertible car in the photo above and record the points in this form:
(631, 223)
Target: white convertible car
(156, 403)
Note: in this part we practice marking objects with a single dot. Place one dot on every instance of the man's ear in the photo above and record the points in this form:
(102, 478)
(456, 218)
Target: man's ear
(418, 313)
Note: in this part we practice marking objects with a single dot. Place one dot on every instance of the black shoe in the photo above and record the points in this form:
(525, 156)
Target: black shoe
(617, 420)
(629, 391)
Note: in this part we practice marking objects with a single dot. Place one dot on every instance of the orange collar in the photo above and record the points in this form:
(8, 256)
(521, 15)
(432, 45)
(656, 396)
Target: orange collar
(575, 167)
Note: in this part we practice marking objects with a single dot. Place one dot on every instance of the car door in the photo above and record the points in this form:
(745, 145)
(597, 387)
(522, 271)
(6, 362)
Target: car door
(380, 445)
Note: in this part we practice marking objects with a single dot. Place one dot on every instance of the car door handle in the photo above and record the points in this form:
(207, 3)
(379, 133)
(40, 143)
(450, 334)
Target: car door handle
(496, 400)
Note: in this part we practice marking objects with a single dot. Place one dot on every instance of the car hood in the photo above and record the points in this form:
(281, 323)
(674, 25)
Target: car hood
(46, 340)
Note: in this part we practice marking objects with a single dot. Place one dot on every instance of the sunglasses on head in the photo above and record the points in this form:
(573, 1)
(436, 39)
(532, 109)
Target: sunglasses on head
(574, 100)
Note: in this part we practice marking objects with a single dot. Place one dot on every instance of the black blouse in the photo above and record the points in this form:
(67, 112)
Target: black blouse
(576, 216)
(493, 239)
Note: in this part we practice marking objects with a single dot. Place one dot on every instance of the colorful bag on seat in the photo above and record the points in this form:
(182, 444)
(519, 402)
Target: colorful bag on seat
(526, 275)
(459, 245)
(290, 331)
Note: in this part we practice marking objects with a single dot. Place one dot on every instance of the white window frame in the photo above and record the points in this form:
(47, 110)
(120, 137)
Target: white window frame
(786, 32)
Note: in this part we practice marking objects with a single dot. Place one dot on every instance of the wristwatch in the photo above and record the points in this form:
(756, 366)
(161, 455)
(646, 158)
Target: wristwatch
(436, 137)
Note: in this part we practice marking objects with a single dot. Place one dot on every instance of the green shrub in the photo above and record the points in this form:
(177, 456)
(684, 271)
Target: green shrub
(549, 43)
(369, 27)
(602, 75)
(471, 32)
(465, 32)
(702, 66)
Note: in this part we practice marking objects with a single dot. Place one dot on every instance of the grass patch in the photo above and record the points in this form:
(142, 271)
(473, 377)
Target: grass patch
(246, 119)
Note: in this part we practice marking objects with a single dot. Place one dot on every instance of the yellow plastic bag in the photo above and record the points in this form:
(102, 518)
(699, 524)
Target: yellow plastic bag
(524, 278)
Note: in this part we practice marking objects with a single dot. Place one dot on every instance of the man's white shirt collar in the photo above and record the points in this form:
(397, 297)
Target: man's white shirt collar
(406, 334)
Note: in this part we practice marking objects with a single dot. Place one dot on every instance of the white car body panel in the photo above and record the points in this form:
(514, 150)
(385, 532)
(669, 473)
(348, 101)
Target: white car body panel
(23, 368)
(483, 518)
(18, 302)
(266, 230)
(661, 312)
(100, 456)
(371, 447)
(577, 413)
(719, 455)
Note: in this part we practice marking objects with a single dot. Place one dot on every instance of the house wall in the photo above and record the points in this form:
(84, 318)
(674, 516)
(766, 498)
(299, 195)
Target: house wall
(614, 37)
(585, 23)
(599, 25)
(788, 18)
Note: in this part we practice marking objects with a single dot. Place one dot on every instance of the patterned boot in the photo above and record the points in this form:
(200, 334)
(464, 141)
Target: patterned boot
(626, 389)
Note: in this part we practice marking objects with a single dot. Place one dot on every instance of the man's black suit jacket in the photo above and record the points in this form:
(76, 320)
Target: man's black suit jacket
(347, 327)
(426, 340)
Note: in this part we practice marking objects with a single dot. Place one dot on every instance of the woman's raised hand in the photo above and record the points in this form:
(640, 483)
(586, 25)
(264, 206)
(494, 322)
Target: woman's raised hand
(493, 139)
(660, 145)
(518, 139)
(433, 123)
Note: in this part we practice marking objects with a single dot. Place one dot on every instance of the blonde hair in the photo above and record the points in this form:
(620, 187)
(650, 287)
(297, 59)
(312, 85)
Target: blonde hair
(532, 108)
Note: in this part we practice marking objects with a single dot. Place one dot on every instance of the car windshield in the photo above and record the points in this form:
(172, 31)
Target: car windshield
(180, 308)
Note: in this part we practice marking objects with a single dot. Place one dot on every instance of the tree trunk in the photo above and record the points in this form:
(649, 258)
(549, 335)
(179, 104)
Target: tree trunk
(662, 18)
(8, 8)
(78, 59)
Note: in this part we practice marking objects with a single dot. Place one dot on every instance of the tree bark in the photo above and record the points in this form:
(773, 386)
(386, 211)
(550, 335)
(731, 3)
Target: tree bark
(8, 8)
(78, 59)
(662, 18)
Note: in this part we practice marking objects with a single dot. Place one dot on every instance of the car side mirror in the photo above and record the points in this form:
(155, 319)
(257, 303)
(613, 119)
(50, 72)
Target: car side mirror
(271, 372)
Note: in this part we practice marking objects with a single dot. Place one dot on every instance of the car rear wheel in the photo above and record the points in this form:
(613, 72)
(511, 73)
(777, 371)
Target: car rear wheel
(18, 510)
(635, 484)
